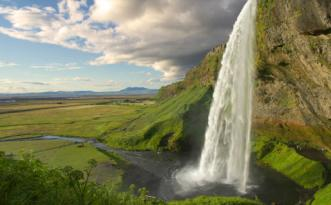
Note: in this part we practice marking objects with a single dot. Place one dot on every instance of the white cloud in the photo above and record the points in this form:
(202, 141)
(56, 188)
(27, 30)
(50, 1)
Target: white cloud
(36, 83)
(73, 9)
(57, 84)
(4, 64)
(17, 86)
(170, 36)
(57, 67)
(81, 79)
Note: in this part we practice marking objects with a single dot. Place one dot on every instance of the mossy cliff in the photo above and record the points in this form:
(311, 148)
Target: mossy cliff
(293, 82)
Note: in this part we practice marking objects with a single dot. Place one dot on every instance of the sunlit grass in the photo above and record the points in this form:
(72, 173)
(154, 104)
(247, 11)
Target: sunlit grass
(78, 118)
(59, 154)
(305, 172)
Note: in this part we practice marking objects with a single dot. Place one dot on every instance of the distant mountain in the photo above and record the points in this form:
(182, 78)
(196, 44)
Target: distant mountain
(137, 91)
(73, 94)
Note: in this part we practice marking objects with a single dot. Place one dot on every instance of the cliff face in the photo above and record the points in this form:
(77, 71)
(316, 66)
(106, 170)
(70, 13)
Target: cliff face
(293, 84)
(293, 76)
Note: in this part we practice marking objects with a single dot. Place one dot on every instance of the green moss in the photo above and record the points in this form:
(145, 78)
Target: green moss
(287, 100)
(264, 19)
(316, 44)
(204, 200)
(305, 172)
(315, 137)
(323, 196)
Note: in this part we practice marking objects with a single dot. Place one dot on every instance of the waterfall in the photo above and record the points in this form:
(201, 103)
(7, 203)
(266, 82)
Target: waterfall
(226, 151)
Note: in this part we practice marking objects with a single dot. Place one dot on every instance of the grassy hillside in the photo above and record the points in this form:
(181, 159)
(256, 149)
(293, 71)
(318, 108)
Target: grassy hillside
(178, 120)
(163, 125)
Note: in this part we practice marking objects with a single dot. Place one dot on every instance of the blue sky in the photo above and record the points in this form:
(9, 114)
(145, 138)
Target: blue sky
(105, 45)
(37, 63)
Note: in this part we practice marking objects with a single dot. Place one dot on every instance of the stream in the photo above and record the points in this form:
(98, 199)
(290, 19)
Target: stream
(156, 173)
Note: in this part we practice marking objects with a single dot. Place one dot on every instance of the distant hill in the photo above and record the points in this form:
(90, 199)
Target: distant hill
(73, 94)
(137, 91)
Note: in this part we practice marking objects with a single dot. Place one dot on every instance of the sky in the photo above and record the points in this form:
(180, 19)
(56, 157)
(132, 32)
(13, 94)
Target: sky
(106, 45)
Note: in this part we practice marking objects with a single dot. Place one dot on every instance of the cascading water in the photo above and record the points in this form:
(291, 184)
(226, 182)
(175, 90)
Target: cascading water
(226, 152)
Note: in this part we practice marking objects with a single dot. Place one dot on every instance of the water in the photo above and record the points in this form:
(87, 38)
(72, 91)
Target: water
(226, 152)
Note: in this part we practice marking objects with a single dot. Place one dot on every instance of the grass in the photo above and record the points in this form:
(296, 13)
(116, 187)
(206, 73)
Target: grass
(56, 153)
(291, 132)
(305, 172)
(131, 125)
(81, 118)
(323, 196)
(59, 154)
(204, 200)
(160, 125)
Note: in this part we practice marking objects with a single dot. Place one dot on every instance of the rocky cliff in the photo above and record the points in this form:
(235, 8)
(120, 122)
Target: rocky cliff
(293, 83)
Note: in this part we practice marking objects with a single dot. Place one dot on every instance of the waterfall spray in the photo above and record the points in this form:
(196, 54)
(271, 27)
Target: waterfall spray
(226, 151)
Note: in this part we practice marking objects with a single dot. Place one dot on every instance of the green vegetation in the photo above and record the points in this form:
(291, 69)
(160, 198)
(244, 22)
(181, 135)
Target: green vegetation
(264, 18)
(203, 200)
(81, 118)
(319, 47)
(56, 153)
(59, 154)
(25, 182)
(160, 125)
(323, 196)
(180, 115)
(305, 172)
(316, 137)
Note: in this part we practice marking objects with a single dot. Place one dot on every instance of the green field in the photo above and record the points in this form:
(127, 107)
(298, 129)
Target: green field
(80, 118)
(56, 153)
(59, 154)
(90, 118)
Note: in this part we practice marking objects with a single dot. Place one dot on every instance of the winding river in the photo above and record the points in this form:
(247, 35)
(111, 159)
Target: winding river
(156, 173)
